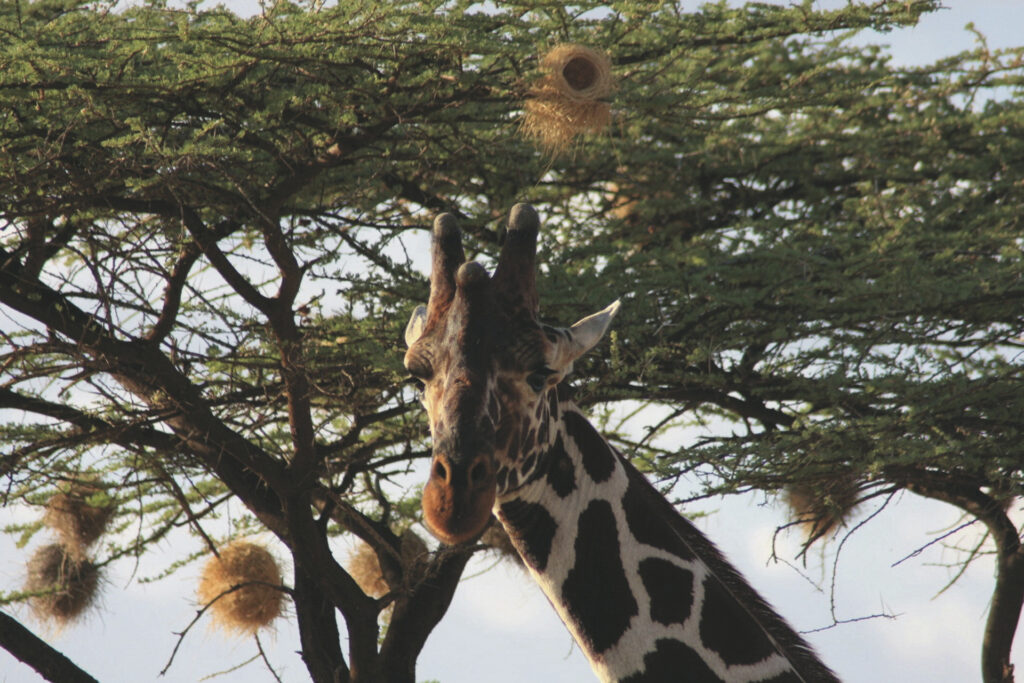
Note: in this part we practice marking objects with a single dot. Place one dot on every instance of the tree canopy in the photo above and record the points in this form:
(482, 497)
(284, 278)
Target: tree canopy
(210, 229)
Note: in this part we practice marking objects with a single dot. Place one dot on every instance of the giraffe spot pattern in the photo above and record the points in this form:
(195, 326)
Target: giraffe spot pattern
(630, 538)
(561, 472)
(672, 661)
(786, 677)
(531, 439)
(670, 589)
(528, 463)
(532, 528)
(493, 407)
(598, 459)
(596, 591)
(542, 432)
(726, 628)
(648, 528)
(513, 444)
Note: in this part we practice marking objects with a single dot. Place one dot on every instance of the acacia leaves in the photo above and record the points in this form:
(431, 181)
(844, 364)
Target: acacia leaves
(211, 230)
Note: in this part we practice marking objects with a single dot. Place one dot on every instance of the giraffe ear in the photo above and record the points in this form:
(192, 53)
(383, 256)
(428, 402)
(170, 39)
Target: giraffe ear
(416, 324)
(585, 334)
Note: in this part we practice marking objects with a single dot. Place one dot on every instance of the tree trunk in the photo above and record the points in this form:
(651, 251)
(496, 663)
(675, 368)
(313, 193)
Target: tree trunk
(318, 632)
(417, 613)
(1008, 593)
(1003, 615)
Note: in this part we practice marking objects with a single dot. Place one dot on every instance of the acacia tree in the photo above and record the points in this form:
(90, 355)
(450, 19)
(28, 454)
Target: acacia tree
(204, 269)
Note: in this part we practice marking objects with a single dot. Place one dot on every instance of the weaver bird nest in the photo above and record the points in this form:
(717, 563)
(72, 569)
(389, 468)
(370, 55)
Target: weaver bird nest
(570, 98)
(823, 505)
(79, 516)
(65, 584)
(364, 567)
(242, 588)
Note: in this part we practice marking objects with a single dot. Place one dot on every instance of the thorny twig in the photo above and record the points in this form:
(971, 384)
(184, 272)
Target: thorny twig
(202, 610)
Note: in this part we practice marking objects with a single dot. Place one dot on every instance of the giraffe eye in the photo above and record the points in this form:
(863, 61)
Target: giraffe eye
(539, 380)
(419, 369)
(419, 373)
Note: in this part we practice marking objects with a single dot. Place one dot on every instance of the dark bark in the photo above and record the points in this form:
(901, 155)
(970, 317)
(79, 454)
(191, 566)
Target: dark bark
(1003, 616)
(417, 613)
(147, 373)
(318, 631)
(1008, 593)
(310, 549)
(277, 494)
(36, 653)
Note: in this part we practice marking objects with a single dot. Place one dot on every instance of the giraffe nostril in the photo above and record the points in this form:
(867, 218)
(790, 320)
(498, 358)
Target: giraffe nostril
(478, 473)
(440, 470)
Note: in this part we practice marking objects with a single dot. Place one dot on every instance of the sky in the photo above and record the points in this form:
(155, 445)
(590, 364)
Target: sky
(500, 628)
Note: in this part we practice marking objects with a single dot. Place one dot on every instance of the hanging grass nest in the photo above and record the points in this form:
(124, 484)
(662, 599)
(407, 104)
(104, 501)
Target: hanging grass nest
(241, 588)
(65, 584)
(79, 516)
(364, 567)
(415, 553)
(570, 98)
(823, 505)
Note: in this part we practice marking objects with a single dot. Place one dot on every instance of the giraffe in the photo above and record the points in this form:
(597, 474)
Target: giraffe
(645, 595)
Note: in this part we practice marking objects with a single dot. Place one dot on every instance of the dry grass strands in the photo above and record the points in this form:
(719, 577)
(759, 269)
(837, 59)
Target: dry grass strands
(240, 588)
(569, 99)
(364, 567)
(823, 505)
(415, 553)
(77, 521)
(497, 538)
(65, 583)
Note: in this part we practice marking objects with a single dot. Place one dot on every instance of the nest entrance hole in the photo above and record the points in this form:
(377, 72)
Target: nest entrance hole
(580, 73)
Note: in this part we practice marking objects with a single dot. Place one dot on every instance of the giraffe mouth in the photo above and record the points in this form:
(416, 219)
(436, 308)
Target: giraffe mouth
(458, 498)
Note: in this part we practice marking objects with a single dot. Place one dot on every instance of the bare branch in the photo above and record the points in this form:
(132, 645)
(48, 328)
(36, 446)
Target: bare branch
(36, 653)
(202, 610)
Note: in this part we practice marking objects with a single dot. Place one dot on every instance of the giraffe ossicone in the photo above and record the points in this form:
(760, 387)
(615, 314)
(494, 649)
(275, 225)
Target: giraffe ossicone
(644, 593)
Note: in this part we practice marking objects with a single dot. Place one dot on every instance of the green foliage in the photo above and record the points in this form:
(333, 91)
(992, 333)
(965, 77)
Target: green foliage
(213, 226)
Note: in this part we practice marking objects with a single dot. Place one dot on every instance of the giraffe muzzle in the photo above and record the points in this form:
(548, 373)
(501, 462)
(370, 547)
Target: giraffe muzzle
(458, 497)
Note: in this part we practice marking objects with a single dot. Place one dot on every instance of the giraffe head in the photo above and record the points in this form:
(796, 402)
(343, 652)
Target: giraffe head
(488, 367)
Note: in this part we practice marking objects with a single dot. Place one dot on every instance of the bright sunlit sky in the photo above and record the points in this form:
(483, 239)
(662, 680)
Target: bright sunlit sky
(500, 628)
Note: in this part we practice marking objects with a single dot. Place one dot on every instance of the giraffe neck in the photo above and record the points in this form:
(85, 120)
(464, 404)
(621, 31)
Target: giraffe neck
(645, 595)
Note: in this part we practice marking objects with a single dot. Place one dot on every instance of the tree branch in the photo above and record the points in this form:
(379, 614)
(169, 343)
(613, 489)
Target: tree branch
(312, 555)
(318, 631)
(172, 293)
(36, 653)
(207, 241)
(145, 372)
(418, 610)
(1008, 594)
